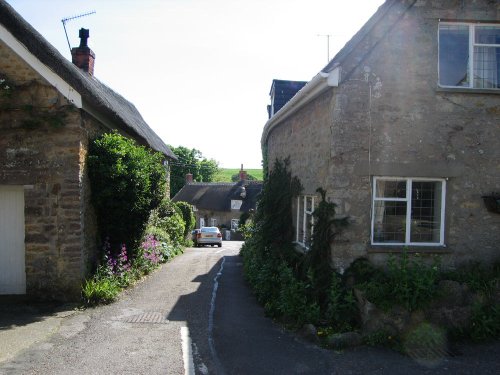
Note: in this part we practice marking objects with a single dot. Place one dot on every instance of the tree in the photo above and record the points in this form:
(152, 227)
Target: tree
(190, 161)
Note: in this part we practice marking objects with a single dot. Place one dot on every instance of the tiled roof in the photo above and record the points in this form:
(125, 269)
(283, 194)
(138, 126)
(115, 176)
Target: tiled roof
(218, 196)
(93, 91)
(283, 92)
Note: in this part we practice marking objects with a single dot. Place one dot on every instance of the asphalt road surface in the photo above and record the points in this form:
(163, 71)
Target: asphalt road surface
(195, 315)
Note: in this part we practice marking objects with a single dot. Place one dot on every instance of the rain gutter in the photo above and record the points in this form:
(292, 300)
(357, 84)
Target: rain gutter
(316, 86)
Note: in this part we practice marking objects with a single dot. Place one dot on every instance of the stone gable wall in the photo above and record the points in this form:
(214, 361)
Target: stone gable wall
(40, 144)
(389, 118)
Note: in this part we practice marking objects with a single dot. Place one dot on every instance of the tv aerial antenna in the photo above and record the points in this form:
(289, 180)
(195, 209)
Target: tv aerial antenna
(327, 36)
(64, 20)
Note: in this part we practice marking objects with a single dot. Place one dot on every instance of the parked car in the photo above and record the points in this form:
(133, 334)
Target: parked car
(209, 236)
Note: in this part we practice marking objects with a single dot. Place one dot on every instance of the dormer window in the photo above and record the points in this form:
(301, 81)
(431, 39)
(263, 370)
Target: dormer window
(469, 55)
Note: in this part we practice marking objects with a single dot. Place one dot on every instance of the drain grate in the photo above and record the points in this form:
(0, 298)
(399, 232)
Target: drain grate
(147, 317)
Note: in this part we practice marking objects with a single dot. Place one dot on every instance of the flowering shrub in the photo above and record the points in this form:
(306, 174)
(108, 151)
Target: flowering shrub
(118, 265)
(151, 250)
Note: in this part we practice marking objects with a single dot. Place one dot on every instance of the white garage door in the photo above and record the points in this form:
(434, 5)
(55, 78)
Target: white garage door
(12, 270)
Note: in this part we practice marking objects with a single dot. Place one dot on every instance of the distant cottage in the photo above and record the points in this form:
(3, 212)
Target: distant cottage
(49, 109)
(219, 203)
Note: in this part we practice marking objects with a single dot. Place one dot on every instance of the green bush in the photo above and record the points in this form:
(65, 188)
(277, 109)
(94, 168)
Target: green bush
(425, 341)
(166, 223)
(408, 282)
(127, 182)
(100, 290)
(485, 321)
(294, 301)
(379, 338)
(188, 217)
(341, 312)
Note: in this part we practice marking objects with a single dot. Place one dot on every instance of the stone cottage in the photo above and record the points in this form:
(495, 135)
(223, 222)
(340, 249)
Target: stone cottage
(220, 204)
(49, 109)
(402, 128)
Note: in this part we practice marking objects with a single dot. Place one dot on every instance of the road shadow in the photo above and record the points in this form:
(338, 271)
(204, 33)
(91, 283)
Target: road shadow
(245, 341)
(17, 311)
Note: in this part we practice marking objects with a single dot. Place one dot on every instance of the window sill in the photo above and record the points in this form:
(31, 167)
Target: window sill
(384, 249)
(466, 90)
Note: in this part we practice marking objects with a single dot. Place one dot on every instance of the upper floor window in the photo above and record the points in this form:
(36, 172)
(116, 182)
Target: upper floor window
(469, 55)
(408, 211)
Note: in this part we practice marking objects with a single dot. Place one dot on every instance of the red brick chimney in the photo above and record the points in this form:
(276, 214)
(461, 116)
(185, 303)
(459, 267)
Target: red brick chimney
(82, 56)
(243, 174)
(189, 178)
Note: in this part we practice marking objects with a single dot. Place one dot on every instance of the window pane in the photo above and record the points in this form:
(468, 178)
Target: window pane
(391, 189)
(389, 221)
(309, 202)
(486, 67)
(487, 35)
(454, 55)
(426, 211)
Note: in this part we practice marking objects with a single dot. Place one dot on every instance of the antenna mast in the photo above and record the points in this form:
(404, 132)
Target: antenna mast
(64, 20)
(327, 46)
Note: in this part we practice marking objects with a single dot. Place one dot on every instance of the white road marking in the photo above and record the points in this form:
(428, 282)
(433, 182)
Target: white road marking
(220, 251)
(211, 344)
(187, 354)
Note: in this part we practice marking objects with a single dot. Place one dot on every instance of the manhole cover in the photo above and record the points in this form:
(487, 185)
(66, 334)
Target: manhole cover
(148, 317)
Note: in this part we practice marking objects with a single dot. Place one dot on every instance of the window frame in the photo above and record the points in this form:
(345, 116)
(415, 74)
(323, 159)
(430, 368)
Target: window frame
(408, 200)
(472, 44)
(307, 217)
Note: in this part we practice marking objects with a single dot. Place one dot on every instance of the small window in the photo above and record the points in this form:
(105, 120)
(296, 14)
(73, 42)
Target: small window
(304, 220)
(408, 211)
(213, 222)
(469, 55)
(234, 224)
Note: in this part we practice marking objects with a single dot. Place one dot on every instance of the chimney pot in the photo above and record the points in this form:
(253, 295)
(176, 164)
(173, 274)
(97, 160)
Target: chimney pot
(189, 178)
(243, 175)
(82, 56)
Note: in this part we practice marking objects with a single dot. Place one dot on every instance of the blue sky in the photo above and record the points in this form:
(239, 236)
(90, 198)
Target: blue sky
(200, 71)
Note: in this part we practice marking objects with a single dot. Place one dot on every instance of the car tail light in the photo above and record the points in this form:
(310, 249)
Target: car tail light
(219, 235)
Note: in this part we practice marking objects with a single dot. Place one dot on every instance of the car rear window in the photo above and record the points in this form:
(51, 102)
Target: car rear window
(210, 229)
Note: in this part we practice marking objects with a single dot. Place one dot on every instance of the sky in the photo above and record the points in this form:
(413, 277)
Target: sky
(200, 71)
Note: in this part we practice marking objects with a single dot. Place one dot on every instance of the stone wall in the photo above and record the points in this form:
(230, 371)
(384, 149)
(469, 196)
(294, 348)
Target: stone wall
(40, 138)
(388, 117)
(43, 146)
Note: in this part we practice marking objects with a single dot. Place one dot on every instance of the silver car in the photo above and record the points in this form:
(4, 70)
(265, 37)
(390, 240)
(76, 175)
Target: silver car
(209, 236)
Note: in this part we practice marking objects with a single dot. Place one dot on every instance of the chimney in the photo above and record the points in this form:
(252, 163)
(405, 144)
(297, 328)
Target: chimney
(189, 178)
(82, 56)
(243, 174)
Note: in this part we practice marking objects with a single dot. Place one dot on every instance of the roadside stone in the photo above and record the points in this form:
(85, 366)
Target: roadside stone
(375, 320)
(450, 318)
(344, 340)
(309, 333)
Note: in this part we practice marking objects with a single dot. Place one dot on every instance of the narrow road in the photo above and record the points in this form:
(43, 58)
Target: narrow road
(196, 316)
